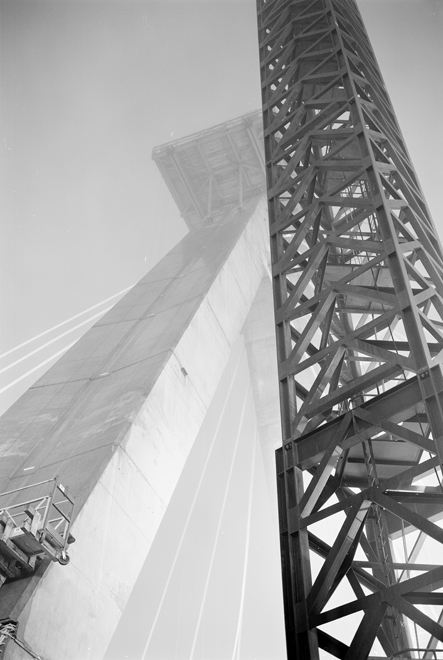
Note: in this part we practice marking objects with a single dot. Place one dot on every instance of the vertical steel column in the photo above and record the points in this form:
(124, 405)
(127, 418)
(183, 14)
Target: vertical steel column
(358, 292)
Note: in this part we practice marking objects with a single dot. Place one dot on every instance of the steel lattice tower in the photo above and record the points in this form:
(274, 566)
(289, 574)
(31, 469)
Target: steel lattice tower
(358, 291)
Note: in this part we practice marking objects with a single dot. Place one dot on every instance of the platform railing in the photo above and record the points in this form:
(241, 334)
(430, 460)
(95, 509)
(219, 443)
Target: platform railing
(36, 526)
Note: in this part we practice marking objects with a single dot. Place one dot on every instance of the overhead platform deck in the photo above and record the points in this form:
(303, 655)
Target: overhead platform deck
(214, 170)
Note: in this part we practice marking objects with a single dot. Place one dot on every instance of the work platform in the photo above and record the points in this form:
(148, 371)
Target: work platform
(34, 527)
(215, 170)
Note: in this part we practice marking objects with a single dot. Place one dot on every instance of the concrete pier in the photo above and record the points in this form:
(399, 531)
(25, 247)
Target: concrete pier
(116, 418)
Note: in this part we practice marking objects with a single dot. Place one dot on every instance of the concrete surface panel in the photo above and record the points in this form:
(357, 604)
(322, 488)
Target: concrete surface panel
(259, 332)
(165, 428)
(47, 634)
(91, 421)
(97, 342)
(186, 287)
(203, 351)
(156, 334)
(20, 439)
(178, 259)
(19, 417)
(132, 492)
(76, 471)
(113, 567)
(135, 303)
(236, 286)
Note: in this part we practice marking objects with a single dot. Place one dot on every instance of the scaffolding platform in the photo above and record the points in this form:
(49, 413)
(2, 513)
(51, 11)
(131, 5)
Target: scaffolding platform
(35, 522)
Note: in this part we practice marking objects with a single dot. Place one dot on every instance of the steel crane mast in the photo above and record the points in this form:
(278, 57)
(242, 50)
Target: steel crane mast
(358, 294)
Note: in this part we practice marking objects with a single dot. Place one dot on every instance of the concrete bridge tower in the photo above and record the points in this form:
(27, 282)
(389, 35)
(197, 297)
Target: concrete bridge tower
(117, 416)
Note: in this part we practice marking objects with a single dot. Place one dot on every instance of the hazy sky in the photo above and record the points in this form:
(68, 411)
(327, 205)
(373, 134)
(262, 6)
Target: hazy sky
(89, 87)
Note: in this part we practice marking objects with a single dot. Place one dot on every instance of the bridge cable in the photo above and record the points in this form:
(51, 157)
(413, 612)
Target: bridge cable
(191, 509)
(59, 325)
(220, 519)
(237, 642)
(31, 371)
(51, 341)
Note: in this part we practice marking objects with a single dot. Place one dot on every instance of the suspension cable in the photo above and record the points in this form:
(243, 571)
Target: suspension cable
(59, 325)
(31, 371)
(191, 509)
(236, 649)
(51, 341)
(220, 520)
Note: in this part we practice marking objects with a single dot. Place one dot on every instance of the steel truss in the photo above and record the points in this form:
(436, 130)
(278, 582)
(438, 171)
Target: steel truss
(358, 289)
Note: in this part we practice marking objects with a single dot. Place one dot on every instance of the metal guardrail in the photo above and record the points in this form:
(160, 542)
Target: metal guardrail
(34, 527)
